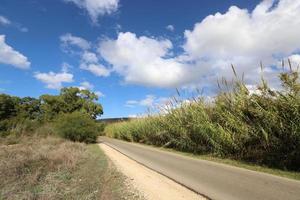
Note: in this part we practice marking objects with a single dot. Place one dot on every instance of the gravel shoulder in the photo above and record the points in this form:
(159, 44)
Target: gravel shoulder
(150, 184)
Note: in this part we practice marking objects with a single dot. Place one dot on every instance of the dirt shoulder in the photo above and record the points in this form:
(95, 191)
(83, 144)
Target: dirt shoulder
(151, 185)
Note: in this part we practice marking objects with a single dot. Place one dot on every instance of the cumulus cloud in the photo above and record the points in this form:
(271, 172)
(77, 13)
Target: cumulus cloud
(97, 8)
(85, 85)
(150, 101)
(240, 37)
(245, 38)
(147, 101)
(88, 59)
(54, 80)
(90, 62)
(170, 28)
(96, 69)
(99, 94)
(295, 60)
(144, 60)
(4, 20)
(9, 56)
(69, 41)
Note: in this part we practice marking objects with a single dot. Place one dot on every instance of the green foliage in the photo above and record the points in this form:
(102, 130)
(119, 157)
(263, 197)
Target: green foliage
(77, 126)
(261, 127)
(70, 100)
(7, 106)
(21, 116)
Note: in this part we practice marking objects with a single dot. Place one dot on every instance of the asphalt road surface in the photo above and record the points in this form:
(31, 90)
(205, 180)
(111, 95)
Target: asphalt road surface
(213, 180)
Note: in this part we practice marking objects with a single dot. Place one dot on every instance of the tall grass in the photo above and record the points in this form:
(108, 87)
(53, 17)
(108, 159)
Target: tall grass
(261, 127)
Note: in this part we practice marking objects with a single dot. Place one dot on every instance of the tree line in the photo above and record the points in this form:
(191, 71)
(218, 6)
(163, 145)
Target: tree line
(47, 108)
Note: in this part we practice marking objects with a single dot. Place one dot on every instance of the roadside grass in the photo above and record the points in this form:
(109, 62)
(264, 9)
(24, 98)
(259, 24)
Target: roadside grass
(260, 126)
(53, 168)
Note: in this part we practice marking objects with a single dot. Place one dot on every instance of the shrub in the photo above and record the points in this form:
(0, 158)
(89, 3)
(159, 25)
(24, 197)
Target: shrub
(77, 126)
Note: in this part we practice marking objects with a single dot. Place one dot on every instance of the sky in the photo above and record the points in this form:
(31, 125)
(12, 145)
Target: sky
(134, 53)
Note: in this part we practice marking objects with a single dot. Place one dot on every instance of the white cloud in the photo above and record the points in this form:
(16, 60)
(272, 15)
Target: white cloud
(239, 37)
(295, 60)
(90, 62)
(65, 67)
(54, 80)
(149, 101)
(99, 94)
(144, 60)
(170, 28)
(97, 8)
(89, 57)
(85, 85)
(68, 40)
(245, 38)
(23, 29)
(4, 20)
(12, 57)
(96, 69)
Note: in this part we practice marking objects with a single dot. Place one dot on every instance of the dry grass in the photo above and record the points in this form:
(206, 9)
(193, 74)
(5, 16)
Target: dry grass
(53, 168)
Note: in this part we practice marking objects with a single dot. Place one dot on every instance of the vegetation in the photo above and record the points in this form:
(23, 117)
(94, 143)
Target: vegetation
(37, 164)
(78, 127)
(54, 168)
(261, 127)
(73, 112)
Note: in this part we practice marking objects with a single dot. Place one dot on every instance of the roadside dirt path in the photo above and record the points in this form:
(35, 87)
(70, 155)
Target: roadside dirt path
(152, 185)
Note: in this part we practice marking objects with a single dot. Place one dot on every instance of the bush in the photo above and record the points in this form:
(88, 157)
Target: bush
(78, 126)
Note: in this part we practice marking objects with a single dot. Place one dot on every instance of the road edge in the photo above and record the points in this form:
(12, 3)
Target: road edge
(187, 187)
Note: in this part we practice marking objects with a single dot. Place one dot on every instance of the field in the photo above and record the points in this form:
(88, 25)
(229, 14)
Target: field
(54, 168)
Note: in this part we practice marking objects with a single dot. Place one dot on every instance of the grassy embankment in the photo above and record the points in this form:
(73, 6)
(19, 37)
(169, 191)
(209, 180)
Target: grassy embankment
(238, 127)
(41, 156)
(54, 168)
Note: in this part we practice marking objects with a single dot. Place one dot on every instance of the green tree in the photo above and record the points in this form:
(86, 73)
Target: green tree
(8, 106)
(28, 108)
(70, 100)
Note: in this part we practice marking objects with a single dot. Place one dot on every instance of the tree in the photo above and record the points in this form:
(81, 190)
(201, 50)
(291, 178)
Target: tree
(15, 111)
(8, 106)
(28, 108)
(70, 100)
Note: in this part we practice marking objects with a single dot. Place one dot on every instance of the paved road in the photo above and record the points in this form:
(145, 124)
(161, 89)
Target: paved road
(214, 180)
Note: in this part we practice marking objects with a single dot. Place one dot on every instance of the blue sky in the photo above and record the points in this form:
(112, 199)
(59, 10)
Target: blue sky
(134, 53)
